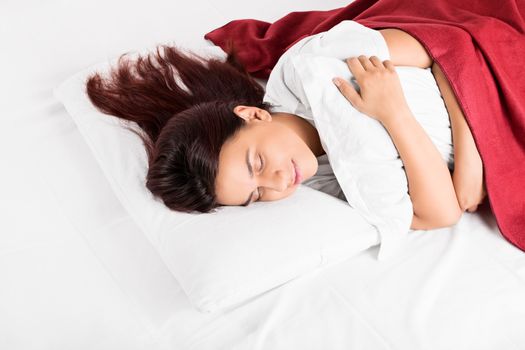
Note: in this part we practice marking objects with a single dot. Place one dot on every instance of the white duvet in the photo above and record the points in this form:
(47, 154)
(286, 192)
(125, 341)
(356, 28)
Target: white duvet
(360, 151)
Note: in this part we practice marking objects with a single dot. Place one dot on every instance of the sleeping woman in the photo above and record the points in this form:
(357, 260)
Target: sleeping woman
(211, 139)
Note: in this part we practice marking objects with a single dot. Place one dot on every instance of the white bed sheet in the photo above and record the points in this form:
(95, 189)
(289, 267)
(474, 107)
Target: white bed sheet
(458, 288)
(80, 275)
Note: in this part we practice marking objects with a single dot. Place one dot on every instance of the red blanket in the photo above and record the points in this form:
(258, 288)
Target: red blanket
(480, 46)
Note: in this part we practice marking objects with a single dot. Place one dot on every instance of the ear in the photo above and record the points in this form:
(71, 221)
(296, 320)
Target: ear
(250, 113)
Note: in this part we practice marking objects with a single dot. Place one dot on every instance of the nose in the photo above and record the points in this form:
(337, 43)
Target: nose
(277, 180)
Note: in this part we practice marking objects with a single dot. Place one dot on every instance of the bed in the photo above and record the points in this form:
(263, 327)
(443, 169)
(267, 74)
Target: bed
(76, 271)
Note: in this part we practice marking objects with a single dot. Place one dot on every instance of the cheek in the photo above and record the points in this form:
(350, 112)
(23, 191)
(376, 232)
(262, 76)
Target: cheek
(270, 195)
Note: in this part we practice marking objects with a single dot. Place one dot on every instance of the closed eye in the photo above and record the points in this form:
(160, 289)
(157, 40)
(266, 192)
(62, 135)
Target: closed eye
(261, 162)
(260, 169)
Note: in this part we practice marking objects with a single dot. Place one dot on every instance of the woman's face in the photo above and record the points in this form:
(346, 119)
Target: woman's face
(259, 162)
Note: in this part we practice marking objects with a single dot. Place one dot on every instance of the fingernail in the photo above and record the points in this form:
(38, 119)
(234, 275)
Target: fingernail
(337, 82)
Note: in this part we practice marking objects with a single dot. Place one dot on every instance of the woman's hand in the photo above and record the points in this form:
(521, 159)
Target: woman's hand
(381, 96)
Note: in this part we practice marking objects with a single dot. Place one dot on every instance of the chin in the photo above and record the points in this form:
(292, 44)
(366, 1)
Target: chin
(309, 174)
(316, 166)
(308, 167)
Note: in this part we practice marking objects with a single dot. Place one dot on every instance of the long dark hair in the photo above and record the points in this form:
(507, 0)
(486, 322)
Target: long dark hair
(183, 104)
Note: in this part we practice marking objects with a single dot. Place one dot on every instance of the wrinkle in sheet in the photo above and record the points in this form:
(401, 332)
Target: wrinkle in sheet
(447, 306)
(311, 312)
(421, 307)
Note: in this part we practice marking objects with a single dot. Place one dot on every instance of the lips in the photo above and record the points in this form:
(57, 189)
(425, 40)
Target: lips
(296, 173)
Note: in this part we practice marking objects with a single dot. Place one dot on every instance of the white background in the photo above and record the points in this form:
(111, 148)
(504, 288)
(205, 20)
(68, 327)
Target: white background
(54, 292)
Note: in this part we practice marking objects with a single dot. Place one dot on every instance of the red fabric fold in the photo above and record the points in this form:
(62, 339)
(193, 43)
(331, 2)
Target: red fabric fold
(480, 46)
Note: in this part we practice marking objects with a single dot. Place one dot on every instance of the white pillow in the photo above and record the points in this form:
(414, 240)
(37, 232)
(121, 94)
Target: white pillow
(361, 153)
(220, 259)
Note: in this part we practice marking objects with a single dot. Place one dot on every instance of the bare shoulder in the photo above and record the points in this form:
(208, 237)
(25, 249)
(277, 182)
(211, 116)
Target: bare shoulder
(405, 50)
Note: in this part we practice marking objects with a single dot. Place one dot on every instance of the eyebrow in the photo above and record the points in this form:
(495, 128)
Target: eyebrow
(250, 171)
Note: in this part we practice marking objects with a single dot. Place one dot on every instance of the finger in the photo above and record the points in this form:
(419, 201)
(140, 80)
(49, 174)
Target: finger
(348, 91)
(388, 65)
(376, 62)
(355, 67)
(365, 62)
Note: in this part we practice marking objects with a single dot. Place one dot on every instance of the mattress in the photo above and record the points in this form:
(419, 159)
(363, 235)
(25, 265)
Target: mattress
(79, 274)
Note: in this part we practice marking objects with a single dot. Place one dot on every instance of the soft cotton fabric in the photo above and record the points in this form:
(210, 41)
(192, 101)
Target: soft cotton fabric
(479, 45)
(360, 151)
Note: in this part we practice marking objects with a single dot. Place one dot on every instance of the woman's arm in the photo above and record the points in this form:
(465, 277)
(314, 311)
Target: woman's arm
(430, 185)
(468, 168)
(467, 177)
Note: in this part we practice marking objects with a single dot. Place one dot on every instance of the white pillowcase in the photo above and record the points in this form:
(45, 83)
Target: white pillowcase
(224, 258)
(361, 153)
